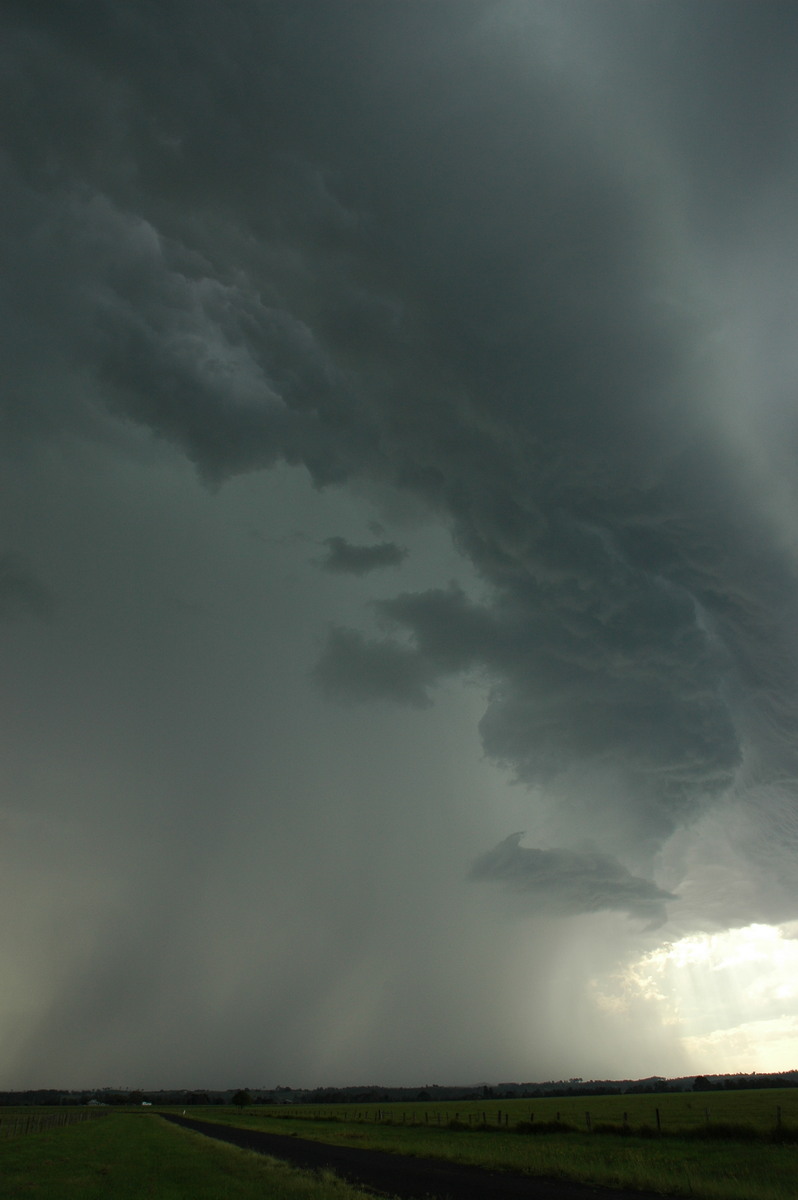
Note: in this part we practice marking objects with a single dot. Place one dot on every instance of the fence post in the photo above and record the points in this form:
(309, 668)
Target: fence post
(659, 1127)
(587, 1120)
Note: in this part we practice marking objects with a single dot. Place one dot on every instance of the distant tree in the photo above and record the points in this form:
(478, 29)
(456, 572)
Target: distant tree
(242, 1098)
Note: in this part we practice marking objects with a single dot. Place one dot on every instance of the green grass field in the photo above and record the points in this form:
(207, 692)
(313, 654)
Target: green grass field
(139, 1157)
(678, 1111)
(130, 1155)
(680, 1163)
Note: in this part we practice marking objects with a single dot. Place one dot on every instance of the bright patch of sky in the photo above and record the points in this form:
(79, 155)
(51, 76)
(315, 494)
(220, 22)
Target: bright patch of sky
(731, 996)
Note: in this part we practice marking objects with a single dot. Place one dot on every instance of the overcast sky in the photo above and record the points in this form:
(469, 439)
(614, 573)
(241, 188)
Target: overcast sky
(399, 547)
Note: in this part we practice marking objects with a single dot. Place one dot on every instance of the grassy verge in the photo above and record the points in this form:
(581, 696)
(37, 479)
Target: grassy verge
(138, 1157)
(715, 1169)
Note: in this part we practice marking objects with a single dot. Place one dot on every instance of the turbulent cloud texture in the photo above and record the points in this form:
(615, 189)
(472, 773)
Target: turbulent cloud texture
(518, 280)
(348, 559)
(564, 882)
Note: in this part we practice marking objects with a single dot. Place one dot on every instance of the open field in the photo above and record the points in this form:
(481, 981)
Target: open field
(745, 1167)
(139, 1157)
(128, 1154)
(761, 1109)
(22, 1120)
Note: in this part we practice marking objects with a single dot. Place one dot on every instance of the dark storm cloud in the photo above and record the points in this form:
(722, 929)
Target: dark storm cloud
(563, 883)
(441, 247)
(355, 668)
(21, 593)
(346, 558)
(636, 687)
(736, 63)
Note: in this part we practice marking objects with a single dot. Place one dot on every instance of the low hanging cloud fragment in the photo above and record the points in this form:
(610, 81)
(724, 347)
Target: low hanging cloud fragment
(564, 883)
(346, 558)
(355, 668)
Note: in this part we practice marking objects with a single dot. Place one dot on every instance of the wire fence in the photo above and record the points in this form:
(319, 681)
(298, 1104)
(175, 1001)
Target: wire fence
(18, 1125)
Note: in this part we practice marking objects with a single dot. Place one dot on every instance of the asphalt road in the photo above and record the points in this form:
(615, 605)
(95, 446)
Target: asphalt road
(402, 1175)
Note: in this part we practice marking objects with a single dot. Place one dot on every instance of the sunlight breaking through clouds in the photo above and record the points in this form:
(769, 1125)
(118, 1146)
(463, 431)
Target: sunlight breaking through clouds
(732, 996)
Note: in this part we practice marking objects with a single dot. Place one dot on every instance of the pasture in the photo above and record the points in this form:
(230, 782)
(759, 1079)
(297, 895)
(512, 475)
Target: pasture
(720, 1146)
(136, 1156)
(670, 1112)
(715, 1146)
